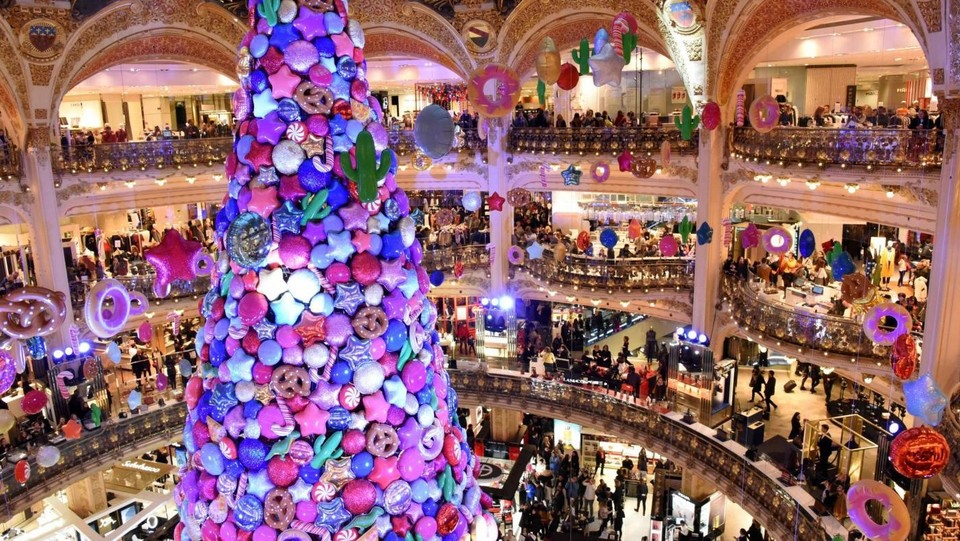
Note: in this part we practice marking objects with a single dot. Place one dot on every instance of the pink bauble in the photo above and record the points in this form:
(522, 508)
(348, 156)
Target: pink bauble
(365, 268)
(668, 246)
(710, 116)
(411, 465)
(33, 402)
(359, 496)
(353, 442)
(145, 332)
(252, 308)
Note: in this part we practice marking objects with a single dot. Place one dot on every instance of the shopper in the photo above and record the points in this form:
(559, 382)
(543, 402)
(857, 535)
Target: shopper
(589, 495)
(756, 383)
(796, 428)
(769, 389)
(642, 492)
(600, 458)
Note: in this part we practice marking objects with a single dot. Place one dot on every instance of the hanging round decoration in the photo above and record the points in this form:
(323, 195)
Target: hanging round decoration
(569, 77)
(548, 62)
(102, 322)
(433, 131)
(710, 116)
(854, 286)
(777, 240)
(608, 238)
(877, 315)
(764, 113)
(420, 161)
(472, 201)
(33, 402)
(807, 243)
(443, 217)
(8, 371)
(919, 453)
(145, 332)
(643, 168)
(668, 246)
(48, 456)
(519, 197)
(634, 230)
(903, 356)
(515, 255)
(600, 171)
(436, 278)
(583, 240)
(21, 472)
(494, 89)
(897, 525)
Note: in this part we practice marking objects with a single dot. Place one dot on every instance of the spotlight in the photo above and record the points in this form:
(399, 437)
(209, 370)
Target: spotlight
(691, 334)
(495, 302)
(68, 352)
(83, 348)
(506, 302)
(893, 427)
(57, 354)
(702, 338)
(680, 331)
(484, 301)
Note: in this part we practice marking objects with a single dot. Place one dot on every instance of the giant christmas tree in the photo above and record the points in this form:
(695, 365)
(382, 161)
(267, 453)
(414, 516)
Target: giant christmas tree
(321, 408)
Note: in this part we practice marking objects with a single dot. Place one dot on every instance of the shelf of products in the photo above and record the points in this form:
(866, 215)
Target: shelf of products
(942, 518)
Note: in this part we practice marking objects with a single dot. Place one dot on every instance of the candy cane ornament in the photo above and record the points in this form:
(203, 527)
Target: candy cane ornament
(543, 176)
(62, 385)
(327, 165)
(618, 27)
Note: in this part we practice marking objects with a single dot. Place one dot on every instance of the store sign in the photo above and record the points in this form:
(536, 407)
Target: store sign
(134, 465)
(678, 95)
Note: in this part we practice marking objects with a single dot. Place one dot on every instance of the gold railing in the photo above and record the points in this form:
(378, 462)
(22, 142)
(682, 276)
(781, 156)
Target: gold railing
(627, 274)
(141, 155)
(598, 141)
(868, 147)
(472, 255)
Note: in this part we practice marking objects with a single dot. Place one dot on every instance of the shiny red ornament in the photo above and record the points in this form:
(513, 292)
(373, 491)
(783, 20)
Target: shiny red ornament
(495, 201)
(22, 471)
(583, 241)
(447, 519)
(72, 429)
(33, 402)
(903, 356)
(569, 76)
(919, 453)
(710, 116)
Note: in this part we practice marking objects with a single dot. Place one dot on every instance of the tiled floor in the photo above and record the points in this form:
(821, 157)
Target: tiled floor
(810, 405)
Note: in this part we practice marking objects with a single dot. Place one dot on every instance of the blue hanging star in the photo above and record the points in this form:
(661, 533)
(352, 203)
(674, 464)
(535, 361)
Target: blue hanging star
(332, 515)
(258, 483)
(287, 217)
(263, 103)
(704, 234)
(535, 250)
(348, 298)
(571, 176)
(395, 391)
(221, 400)
(286, 309)
(341, 245)
(268, 176)
(417, 216)
(410, 286)
(355, 352)
(240, 366)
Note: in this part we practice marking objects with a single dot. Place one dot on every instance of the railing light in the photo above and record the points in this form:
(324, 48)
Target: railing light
(890, 192)
(852, 187)
(813, 184)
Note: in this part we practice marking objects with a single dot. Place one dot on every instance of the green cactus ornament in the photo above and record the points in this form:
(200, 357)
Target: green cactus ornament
(366, 174)
(581, 57)
(541, 92)
(269, 10)
(688, 124)
(686, 227)
(629, 45)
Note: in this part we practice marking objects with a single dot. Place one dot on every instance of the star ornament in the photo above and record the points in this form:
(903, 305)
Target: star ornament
(624, 161)
(606, 66)
(704, 234)
(535, 251)
(495, 201)
(175, 258)
(311, 328)
(750, 236)
(571, 176)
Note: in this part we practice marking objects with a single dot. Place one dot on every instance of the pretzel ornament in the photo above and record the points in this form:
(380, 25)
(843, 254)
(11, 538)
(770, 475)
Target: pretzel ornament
(32, 311)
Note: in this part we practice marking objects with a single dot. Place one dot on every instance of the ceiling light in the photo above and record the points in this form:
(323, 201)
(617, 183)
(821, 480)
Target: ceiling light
(595, 302)
(161, 181)
(102, 186)
(813, 184)
(851, 187)
(130, 183)
(191, 180)
(217, 178)
(624, 304)
(783, 181)
(890, 192)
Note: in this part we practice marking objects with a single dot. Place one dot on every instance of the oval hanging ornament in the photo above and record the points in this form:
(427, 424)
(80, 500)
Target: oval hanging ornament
(433, 131)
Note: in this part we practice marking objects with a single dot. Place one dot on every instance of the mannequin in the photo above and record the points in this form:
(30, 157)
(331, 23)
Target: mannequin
(886, 261)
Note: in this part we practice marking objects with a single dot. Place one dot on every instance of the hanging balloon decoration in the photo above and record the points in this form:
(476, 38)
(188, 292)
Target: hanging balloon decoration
(741, 108)
(903, 356)
(643, 167)
(113, 352)
(704, 234)
(72, 429)
(420, 161)
(925, 400)
(174, 318)
(877, 316)
(472, 201)
(31, 311)
(433, 131)
(625, 35)
(21, 472)
(33, 402)
(727, 225)
(807, 243)
(436, 278)
(605, 64)
(583, 241)
(634, 229)
(62, 385)
(519, 197)
(8, 371)
(145, 332)
(685, 228)
(176, 258)
(710, 115)
(569, 77)
(750, 236)
(854, 286)
(109, 306)
(764, 114)
(608, 238)
(897, 525)
(625, 161)
(777, 240)
(48, 456)
(548, 62)
(515, 255)
(919, 452)
(494, 89)
(600, 171)
(668, 246)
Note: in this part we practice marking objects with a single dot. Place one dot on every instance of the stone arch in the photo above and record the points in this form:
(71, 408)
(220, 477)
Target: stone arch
(384, 41)
(124, 32)
(762, 25)
(13, 86)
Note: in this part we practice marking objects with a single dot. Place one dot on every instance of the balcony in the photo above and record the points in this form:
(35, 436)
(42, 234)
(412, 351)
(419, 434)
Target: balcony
(403, 143)
(782, 507)
(141, 155)
(809, 331)
(868, 148)
(179, 289)
(445, 259)
(645, 274)
(96, 450)
(10, 167)
(599, 141)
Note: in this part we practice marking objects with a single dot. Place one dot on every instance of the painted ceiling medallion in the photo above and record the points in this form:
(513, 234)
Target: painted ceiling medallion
(41, 39)
(479, 35)
(685, 16)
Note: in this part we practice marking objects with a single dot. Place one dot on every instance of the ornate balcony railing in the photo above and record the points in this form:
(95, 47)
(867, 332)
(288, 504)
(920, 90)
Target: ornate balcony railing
(94, 450)
(141, 155)
(597, 141)
(10, 166)
(628, 274)
(179, 289)
(868, 147)
(473, 255)
(800, 327)
(753, 484)
(403, 142)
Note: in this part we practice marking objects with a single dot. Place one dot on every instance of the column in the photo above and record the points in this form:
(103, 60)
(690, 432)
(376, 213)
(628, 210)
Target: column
(709, 257)
(941, 337)
(501, 222)
(48, 258)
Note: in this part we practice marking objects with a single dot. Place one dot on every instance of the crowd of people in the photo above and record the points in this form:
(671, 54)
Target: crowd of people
(79, 143)
(913, 117)
(541, 118)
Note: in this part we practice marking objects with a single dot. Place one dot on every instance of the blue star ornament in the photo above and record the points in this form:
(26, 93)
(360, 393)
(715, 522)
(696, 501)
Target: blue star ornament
(286, 309)
(240, 366)
(287, 218)
(355, 352)
(332, 515)
(535, 250)
(341, 246)
(571, 176)
(704, 234)
(348, 298)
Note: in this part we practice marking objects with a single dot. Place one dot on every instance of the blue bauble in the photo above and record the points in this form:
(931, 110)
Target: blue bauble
(339, 419)
(436, 278)
(341, 374)
(309, 474)
(311, 179)
(842, 266)
(396, 335)
(807, 243)
(211, 458)
(252, 454)
(361, 464)
(430, 508)
(248, 512)
(608, 238)
(288, 110)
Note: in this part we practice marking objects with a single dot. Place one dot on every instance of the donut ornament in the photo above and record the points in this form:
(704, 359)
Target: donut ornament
(318, 406)
(876, 317)
(764, 114)
(897, 525)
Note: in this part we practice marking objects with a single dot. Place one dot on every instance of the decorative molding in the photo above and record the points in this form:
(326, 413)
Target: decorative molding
(682, 171)
(695, 48)
(40, 74)
(920, 192)
(938, 77)
(729, 179)
(38, 139)
(931, 11)
(40, 114)
(76, 189)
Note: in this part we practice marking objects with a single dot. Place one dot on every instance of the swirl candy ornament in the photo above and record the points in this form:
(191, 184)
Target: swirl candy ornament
(919, 453)
(319, 355)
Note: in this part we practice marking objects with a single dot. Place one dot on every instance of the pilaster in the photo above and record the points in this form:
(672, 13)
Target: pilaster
(48, 257)
(709, 257)
(501, 222)
(941, 337)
